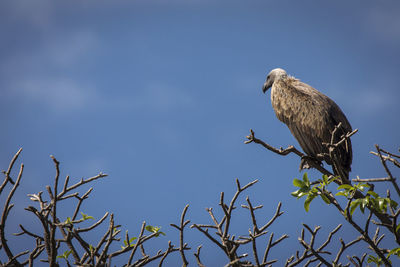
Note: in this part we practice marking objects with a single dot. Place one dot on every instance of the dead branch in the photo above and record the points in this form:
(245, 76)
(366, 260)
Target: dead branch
(6, 210)
(182, 246)
(283, 152)
(7, 177)
(197, 255)
(228, 242)
(383, 161)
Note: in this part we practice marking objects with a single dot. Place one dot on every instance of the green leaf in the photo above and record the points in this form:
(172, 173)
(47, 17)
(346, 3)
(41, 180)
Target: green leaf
(131, 240)
(296, 193)
(361, 187)
(314, 190)
(86, 217)
(372, 193)
(354, 204)
(325, 179)
(151, 228)
(301, 192)
(305, 179)
(154, 229)
(130, 243)
(375, 260)
(325, 198)
(307, 202)
(393, 203)
(65, 255)
(382, 205)
(345, 186)
(395, 251)
(364, 203)
(342, 193)
(298, 183)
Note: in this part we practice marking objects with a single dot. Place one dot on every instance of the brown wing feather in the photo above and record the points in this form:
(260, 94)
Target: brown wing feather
(344, 151)
(311, 144)
(311, 117)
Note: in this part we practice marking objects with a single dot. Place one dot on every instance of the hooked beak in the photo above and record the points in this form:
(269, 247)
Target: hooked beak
(265, 87)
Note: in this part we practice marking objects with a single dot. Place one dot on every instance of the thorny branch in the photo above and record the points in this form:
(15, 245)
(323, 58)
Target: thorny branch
(389, 221)
(82, 252)
(388, 157)
(197, 255)
(283, 152)
(228, 243)
(71, 239)
(182, 246)
(8, 207)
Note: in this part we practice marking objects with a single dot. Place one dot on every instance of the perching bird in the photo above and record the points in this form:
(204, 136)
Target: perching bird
(311, 117)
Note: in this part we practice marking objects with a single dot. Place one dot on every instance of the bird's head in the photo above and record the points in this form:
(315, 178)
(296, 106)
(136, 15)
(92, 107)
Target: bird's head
(274, 75)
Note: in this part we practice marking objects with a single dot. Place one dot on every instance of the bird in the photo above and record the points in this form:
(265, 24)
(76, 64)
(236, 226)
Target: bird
(312, 117)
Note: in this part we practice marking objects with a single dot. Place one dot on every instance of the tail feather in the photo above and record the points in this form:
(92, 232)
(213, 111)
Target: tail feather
(341, 171)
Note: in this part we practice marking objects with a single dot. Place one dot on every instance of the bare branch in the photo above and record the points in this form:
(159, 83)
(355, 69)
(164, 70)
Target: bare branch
(137, 243)
(6, 210)
(278, 213)
(197, 255)
(345, 246)
(111, 235)
(180, 228)
(389, 157)
(80, 183)
(7, 177)
(383, 161)
(79, 230)
(283, 152)
(371, 180)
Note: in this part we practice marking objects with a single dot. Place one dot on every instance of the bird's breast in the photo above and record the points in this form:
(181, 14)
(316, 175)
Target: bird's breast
(282, 103)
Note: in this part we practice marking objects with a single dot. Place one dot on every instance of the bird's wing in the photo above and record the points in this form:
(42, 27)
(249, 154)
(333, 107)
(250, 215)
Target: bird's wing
(302, 109)
(344, 151)
(311, 117)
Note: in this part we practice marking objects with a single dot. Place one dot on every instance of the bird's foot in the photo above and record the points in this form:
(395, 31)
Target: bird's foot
(307, 162)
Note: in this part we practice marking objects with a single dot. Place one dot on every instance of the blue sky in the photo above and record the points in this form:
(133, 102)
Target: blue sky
(161, 94)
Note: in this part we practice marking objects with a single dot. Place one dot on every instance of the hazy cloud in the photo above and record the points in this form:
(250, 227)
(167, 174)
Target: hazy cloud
(374, 100)
(67, 50)
(35, 13)
(38, 76)
(157, 97)
(384, 20)
(59, 95)
(365, 100)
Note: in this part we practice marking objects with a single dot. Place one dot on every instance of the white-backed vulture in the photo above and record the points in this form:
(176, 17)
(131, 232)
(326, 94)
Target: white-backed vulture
(311, 117)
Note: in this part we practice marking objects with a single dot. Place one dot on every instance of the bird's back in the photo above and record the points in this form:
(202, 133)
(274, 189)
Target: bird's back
(311, 117)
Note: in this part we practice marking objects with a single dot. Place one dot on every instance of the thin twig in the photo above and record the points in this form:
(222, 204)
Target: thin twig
(180, 228)
(7, 177)
(383, 161)
(5, 213)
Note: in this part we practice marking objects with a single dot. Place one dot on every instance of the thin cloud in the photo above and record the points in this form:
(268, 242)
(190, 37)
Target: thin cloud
(35, 13)
(385, 22)
(156, 97)
(67, 50)
(27, 75)
(59, 95)
(366, 100)
(374, 100)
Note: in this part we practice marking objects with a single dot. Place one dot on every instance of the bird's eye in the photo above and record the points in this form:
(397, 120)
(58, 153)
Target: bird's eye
(268, 77)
